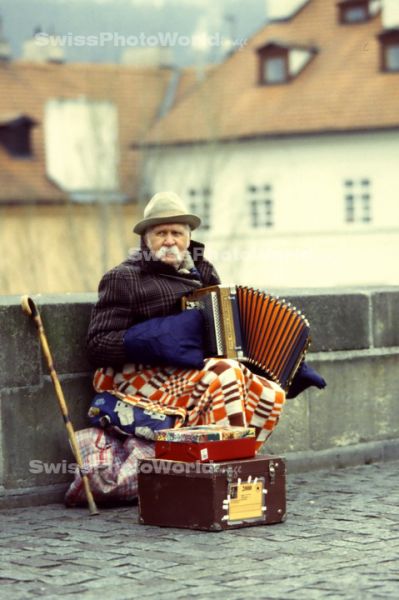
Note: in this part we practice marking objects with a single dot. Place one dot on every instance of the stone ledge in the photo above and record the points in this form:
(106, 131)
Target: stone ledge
(32, 496)
(347, 456)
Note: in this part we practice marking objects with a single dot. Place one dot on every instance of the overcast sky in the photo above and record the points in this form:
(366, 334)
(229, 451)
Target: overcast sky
(129, 17)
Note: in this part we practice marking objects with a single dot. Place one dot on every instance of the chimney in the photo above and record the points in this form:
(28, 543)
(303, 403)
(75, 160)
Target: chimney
(43, 47)
(56, 53)
(5, 48)
(390, 14)
(151, 56)
(282, 10)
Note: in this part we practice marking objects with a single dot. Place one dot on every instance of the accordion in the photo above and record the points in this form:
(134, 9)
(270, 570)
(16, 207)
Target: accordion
(248, 325)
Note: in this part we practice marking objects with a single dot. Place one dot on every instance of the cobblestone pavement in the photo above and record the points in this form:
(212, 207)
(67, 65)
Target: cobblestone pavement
(340, 540)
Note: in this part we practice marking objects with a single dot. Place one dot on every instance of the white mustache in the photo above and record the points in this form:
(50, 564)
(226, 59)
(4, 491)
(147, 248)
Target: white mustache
(164, 251)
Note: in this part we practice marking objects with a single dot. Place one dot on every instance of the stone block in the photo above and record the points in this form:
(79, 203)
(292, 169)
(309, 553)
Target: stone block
(19, 346)
(292, 432)
(66, 324)
(385, 318)
(33, 430)
(337, 321)
(359, 405)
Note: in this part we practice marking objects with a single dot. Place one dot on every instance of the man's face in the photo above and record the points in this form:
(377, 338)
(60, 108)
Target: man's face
(168, 242)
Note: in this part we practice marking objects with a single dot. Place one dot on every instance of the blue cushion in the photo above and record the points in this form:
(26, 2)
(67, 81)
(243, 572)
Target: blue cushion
(176, 340)
(109, 412)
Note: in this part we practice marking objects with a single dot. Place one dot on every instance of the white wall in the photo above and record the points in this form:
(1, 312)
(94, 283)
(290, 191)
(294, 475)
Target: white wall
(81, 140)
(390, 14)
(281, 9)
(297, 59)
(311, 244)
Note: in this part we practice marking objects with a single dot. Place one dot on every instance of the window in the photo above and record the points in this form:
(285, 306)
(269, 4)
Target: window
(279, 62)
(274, 69)
(357, 195)
(355, 15)
(392, 57)
(200, 204)
(15, 136)
(273, 63)
(261, 206)
(389, 50)
(354, 11)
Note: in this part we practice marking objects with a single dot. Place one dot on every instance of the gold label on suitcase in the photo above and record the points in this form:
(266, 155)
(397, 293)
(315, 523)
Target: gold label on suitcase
(246, 501)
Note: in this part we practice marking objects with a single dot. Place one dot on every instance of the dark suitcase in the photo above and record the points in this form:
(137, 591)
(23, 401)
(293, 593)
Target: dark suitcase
(212, 496)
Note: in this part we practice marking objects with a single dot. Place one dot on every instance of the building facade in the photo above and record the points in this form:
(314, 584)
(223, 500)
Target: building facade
(310, 211)
(289, 151)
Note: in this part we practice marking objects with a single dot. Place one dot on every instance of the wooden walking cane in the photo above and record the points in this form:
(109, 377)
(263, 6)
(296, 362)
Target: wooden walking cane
(30, 309)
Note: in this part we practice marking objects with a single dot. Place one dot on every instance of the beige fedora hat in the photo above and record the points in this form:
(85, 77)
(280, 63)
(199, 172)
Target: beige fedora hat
(166, 207)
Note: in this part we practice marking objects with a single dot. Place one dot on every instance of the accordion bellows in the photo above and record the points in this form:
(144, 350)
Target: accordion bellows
(255, 327)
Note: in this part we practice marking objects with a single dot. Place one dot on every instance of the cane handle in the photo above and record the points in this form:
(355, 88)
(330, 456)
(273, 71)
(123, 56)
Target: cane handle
(29, 307)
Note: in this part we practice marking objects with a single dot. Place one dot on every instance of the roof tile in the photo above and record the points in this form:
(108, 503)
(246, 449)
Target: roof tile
(341, 88)
(25, 87)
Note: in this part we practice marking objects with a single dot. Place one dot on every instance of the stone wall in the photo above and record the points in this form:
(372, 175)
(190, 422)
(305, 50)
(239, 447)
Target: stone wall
(356, 419)
(32, 427)
(356, 348)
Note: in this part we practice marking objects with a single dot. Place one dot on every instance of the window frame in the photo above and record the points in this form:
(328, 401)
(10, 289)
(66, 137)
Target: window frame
(199, 202)
(261, 208)
(271, 52)
(388, 39)
(357, 201)
(386, 67)
(345, 6)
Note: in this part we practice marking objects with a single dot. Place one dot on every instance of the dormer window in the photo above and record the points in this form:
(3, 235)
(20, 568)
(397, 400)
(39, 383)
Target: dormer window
(279, 63)
(392, 57)
(354, 11)
(389, 50)
(275, 68)
(273, 64)
(15, 135)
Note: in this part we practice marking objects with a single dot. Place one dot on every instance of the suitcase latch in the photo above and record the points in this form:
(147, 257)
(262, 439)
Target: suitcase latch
(272, 471)
(230, 474)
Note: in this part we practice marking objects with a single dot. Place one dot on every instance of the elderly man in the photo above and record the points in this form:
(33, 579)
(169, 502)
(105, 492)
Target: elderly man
(145, 347)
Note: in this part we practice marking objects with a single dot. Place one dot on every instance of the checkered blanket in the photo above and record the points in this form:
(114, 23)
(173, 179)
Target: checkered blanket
(225, 392)
(110, 464)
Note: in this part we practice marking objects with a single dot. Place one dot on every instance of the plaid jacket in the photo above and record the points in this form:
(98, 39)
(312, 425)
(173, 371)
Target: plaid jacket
(138, 289)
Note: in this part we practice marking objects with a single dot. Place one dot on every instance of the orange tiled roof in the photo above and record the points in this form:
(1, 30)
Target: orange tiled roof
(190, 78)
(340, 89)
(24, 89)
(24, 180)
